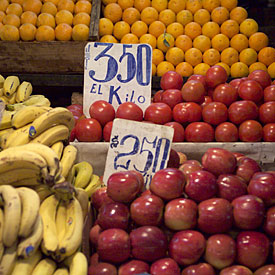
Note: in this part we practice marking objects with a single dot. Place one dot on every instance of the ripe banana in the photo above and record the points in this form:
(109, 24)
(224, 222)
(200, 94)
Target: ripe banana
(81, 174)
(45, 267)
(83, 199)
(6, 120)
(58, 148)
(5, 131)
(61, 220)
(10, 85)
(8, 260)
(68, 159)
(1, 90)
(78, 264)
(12, 98)
(1, 233)
(23, 92)
(30, 209)
(61, 271)
(30, 182)
(2, 80)
(94, 184)
(55, 116)
(29, 245)
(4, 99)
(27, 115)
(47, 211)
(12, 214)
(43, 191)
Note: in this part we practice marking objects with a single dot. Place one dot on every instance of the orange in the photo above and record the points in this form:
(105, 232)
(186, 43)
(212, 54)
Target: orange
(201, 68)
(159, 5)
(130, 15)
(157, 56)
(49, 7)
(124, 4)
(248, 56)
(148, 38)
(32, 5)
(83, 18)
(27, 32)
(64, 16)
(210, 29)
(239, 69)
(11, 19)
(164, 67)
(149, 15)
(63, 32)
(108, 39)
(139, 28)
(193, 5)
(229, 56)
(239, 42)
(9, 33)
(220, 42)
(3, 5)
(45, 33)
(202, 43)
(225, 66)
(266, 55)
(105, 26)
(230, 28)
(175, 29)
(142, 4)
(202, 16)
(80, 32)
(165, 41)
(53, 1)
(271, 70)
(184, 69)
(156, 28)
(28, 17)
(192, 29)
(14, 8)
(238, 14)
(219, 15)
(211, 57)
(176, 5)
(83, 6)
(193, 56)
(113, 12)
(229, 4)
(65, 5)
(45, 19)
(183, 42)
(175, 55)
(257, 66)
(210, 4)
(184, 17)
(154, 69)
(129, 38)
(106, 2)
(167, 17)
(248, 27)
(120, 29)
(258, 40)
(2, 15)
(20, 2)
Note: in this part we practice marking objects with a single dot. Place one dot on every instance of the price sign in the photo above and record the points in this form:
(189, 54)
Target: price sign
(117, 73)
(2, 109)
(139, 146)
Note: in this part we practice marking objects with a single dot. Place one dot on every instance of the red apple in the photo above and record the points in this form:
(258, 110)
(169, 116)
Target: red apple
(207, 99)
(100, 197)
(199, 269)
(171, 80)
(247, 167)
(250, 131)
(107, 130)
(215, 75)
(226, 132)
(165, 266)
(199, 77)
(178, 131)
(214, 113)
(94, 233)
(193, 91)
(141, 180)
(172, 97)
(269, 132)
(267, 112)
(94, 259)
(102, 269)
(269, 224)
(199, 132)
(159, 113)
(187, 112)
(76, 109)
(261, 76)
(265, 270)
(251, 90)
(130, 111)
(269, 93)
(102, 111)
(133, 267)
(236, 270)
(174, 159)
(158, 96)
(182, 157)
(225, 93)
(88, 130)
(187, 168)
(236, 82)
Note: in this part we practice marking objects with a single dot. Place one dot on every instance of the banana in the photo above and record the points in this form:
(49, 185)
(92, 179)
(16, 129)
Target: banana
(1, 233)
(10, 85)
(78, 264)
(30, 209)
(81, 174)
(30, 182)
(12, 98)
(61, 271)
(29, 245)
(12, 214)
(23, 92)
(68, 159)
(83, 199)
(5, 131)
(27, 115)
(43, 191)
(60, 220)
(6, 120)
(52, 135)
(58, 148)
(4, 99)
(45, 267)
(26, 266)
(47, 211)
(2, 80)
(1, 90)
(94, 184)
(8, 260)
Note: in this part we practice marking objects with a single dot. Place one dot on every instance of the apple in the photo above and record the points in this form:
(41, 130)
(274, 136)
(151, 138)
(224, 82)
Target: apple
(269, 224)
(172, 97)
(171, 80)
(198, 181)
(265, 270)
(220, 251)
(193, 91)
(215, 75)
(158, 96)
(107, 130)
(114, 245)
(94, 259)
(226, 132)
(214, 113)
(187, 168)
(130, 111)
(247, 167)
(182, 157)
(215, 216)
(76, 109)
(178, 131)
(88, 130)
(250, 131)
(165, 266)
(236, 270)
(199, 269)
(269, 132)
(225, 93)
(187, 112)
(251, 90)
(94, 233)
(123, 186)
(141, 180)
(100, 197)
(168, 183)
(148, 243)
(133, 267)
(219, 161)
(269, 93)
(199, 132)
(180, 214)
(248, 212)
(147, 210)
(174, 159)
(187, 246)
(261, 76)
(267, 112)
(199, 77)
(102, 269)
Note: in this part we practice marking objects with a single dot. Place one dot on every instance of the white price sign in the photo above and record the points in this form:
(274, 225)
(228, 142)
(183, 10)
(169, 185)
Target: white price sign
(139, 146)
(117, 73)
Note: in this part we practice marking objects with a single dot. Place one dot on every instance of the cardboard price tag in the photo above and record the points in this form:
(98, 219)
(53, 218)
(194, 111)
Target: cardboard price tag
(143, 147)
(117, 73)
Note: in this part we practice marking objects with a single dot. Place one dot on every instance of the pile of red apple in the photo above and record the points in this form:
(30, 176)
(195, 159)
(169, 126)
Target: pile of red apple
(213, 217)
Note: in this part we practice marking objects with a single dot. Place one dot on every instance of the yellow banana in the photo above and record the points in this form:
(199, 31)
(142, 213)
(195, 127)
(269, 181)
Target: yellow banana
(94, 184)
(1, 90)
(43, 191)
(10, 85)
(83, 199)
(30, 182)
(6, 120)
(81, 174)
(12, 214)
(68, 159)
(58, 115)
(23, 92)
(58, 148)
(4, 99)
(12, 98)
(45, 267)
(61, 271)
(78, 264)
(1, 233)
(8, 260)
(2, 80)
(30, 209)
(61, 220)
(6, 131)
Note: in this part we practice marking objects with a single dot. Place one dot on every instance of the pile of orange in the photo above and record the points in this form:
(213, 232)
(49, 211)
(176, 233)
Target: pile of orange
(189, 36)
(45, 20)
